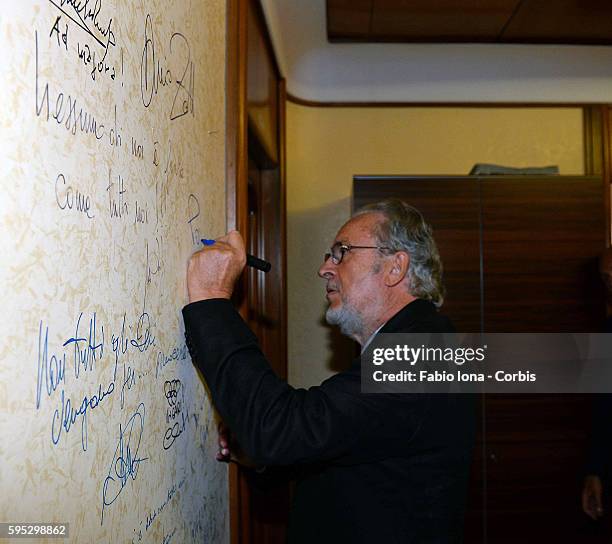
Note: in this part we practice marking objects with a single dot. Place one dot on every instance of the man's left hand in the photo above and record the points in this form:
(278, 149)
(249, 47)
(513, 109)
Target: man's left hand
(213, 271)
(592, 492)
(229, 450)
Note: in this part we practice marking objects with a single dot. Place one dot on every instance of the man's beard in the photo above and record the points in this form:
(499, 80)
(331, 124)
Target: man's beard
(347, 318)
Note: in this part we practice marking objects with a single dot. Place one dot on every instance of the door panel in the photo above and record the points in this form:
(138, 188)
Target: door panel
(268, 493)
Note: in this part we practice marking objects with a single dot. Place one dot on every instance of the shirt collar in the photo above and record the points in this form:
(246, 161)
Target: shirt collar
(365, 346)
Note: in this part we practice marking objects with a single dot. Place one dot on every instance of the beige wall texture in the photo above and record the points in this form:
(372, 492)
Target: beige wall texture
(327, 146)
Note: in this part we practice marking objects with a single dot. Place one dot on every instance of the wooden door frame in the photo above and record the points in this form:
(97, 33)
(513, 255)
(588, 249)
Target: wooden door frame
(236, 161)
(598, 153)
(606, 172)
(237, 212)
(236, 184)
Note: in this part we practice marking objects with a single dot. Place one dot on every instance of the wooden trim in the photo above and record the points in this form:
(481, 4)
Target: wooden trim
(593, 140)
(234, 502)
(236, 197)
(231, 112)
(282, 162)
(464, 177)
(231, 154)
(399, 39)
(598, 154)
(236, 123)
(246, 528)
(606, 174)
(242, 160)
(315, 104)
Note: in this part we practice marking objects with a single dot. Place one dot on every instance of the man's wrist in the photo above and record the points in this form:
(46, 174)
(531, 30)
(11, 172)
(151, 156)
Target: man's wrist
(208, 294)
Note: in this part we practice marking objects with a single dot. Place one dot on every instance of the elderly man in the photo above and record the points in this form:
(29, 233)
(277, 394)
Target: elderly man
(373, 467)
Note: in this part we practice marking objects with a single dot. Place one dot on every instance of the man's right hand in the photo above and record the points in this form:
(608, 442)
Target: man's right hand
(213, 271)
(592, 497)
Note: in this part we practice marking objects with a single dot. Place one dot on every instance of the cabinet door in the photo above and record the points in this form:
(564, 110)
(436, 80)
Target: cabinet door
(541, 239)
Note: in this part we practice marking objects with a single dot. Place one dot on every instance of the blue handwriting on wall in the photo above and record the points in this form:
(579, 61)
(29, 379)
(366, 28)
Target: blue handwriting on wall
(125, 463)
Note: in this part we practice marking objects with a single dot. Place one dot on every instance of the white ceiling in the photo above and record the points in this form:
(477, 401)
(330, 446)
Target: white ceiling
(319, 71)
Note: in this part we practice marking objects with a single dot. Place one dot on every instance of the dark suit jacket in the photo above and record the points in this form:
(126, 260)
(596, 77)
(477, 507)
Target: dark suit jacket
(389, 468)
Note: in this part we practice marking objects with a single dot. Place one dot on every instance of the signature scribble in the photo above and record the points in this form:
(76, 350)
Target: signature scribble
(125, 463)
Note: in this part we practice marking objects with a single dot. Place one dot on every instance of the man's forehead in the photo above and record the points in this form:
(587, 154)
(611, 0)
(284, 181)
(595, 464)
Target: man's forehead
(359, 227)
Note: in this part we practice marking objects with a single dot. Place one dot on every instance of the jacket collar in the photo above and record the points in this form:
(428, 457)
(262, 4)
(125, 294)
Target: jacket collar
(415, 311)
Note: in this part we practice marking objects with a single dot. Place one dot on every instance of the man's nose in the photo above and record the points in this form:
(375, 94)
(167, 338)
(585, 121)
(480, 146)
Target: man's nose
(327, 269)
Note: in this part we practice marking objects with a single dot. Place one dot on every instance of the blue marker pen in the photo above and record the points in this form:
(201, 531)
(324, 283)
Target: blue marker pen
(252, 261)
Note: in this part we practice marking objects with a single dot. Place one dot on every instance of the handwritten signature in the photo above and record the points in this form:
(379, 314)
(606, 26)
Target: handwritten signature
(51, 371)
(82, 14)
(153, 74)
(67, 418)
(174, 392)
(125, 463)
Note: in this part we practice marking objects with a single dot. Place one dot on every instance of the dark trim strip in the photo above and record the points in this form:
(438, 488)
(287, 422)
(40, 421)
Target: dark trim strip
(315, 104)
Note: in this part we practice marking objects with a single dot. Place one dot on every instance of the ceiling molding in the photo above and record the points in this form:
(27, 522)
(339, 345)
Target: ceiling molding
(319, 71)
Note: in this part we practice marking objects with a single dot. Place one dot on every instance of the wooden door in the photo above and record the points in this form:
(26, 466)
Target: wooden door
(541, 240)
(261, 502)
(256, 207)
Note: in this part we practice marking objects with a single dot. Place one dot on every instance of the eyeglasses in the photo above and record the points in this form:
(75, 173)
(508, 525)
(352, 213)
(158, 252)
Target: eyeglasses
(339, 250)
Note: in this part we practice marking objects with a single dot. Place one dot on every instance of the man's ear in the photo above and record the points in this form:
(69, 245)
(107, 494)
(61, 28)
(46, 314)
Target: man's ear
(397, 268)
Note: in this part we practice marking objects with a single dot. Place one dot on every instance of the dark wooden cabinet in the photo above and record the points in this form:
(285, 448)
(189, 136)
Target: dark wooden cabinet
(541, 239)
(519, 255)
